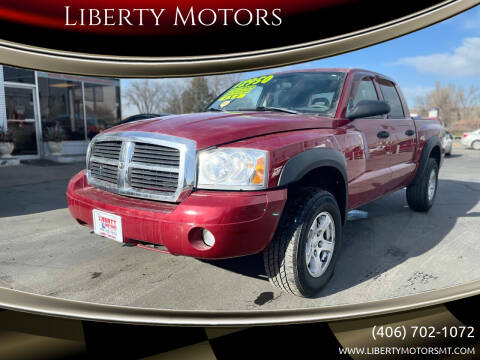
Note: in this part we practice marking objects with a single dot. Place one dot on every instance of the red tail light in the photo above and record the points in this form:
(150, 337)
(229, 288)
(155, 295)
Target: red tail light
(465, 135)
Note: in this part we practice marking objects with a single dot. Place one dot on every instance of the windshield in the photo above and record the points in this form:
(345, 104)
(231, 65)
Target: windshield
(301, 92)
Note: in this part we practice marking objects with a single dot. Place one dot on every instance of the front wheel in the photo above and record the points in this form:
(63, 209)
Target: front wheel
(302, 255)
(421, 194)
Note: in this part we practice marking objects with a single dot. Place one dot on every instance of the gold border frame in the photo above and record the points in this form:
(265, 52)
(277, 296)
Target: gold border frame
(117, 66)
(52, 306)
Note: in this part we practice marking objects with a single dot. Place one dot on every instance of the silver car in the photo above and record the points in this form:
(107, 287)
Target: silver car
(447, 142)
(472, 139)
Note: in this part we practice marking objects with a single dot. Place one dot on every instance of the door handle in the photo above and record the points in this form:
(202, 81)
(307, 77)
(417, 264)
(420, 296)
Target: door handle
(383, 134)
(409, 132)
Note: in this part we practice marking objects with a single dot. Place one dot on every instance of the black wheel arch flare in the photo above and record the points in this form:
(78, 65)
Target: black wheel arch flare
(301, 164)
(426, 152)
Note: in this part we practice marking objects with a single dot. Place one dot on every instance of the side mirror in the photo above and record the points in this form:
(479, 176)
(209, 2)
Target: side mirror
(367, 108)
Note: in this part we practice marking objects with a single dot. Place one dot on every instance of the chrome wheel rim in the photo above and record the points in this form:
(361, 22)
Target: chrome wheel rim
(320, 244)
(432, 184)
(476, 145)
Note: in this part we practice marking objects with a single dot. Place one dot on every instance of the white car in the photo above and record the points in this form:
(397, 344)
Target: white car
(472, 139)
(447, 142)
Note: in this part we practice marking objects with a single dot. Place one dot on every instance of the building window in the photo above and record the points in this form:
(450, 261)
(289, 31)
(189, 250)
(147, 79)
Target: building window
(21, 118)
(82, 106)
(102, 106)
(13, 74)
(61, 103)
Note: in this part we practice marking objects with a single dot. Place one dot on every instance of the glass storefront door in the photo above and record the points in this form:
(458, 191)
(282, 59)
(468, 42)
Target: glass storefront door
(21, 116)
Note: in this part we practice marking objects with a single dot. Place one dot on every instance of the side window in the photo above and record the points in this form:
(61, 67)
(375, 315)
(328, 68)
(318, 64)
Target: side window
(365, 91)
(390, 95)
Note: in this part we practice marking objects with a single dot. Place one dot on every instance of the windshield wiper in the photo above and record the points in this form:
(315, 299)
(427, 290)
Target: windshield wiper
(214, 109)
(279, 109)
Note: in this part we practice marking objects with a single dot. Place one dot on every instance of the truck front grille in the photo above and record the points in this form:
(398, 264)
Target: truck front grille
(153, 180)
(144, 165)
(104, 172)
(107, 149)
(156, 154)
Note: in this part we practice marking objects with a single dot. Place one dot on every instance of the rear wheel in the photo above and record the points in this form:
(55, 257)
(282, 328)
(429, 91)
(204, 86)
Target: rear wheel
(476, 145)
(421, 194)
(302, 255)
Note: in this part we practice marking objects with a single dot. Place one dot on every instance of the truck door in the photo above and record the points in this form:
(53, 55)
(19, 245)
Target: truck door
(402, 141)
(372, 181)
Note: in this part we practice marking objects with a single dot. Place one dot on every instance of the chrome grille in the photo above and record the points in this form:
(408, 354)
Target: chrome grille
(153, 180)
(104, 172)
(107, 149)
(144, 165)
(156, 154)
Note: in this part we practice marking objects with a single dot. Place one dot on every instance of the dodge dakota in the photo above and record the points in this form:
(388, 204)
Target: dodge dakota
(273, 165)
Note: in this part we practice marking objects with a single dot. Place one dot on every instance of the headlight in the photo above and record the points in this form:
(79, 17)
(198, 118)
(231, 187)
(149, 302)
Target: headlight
(232, 169)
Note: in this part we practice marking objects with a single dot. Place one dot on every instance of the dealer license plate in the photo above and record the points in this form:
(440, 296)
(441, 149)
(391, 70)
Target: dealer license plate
(107, 225)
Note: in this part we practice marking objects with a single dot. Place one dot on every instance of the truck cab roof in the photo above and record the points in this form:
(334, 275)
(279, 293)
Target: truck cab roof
(343, 70)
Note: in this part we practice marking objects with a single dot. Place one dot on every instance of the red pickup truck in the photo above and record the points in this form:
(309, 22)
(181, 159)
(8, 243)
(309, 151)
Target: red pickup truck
(273, 165)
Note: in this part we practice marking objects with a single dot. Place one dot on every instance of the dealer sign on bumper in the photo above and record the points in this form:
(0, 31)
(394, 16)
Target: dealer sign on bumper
(108, 225)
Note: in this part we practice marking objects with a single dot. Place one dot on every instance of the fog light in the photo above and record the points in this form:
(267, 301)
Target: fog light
(208, 237)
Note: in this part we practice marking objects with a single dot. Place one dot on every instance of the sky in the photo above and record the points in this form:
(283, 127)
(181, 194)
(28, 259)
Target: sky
(447, 52)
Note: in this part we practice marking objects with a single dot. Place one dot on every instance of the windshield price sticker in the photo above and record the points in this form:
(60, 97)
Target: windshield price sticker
(244, 87)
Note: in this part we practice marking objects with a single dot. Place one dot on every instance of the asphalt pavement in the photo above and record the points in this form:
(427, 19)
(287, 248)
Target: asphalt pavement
(394, 252)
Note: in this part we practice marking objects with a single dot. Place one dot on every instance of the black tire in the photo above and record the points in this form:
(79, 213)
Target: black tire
(417, 192)
(285, 258)
(475, 145)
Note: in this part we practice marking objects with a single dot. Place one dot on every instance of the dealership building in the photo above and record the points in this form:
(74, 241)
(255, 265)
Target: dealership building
(33, 101)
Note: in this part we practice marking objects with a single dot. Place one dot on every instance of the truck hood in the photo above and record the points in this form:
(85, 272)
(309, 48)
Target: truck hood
(216, 128)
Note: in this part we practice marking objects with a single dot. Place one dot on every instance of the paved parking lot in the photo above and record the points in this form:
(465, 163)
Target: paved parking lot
(394, 252)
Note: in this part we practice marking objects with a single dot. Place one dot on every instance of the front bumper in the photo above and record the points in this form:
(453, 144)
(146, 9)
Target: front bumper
(243, 223)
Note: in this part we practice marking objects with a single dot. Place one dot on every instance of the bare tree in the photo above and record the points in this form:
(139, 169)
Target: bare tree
(174, 89)
(421, 106)
(190, 94)
(468, 102)
(148, 96)
(177, 96)
(445, 99)
(197, 96)
(219, 83)
(459, 109)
